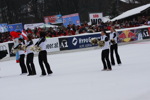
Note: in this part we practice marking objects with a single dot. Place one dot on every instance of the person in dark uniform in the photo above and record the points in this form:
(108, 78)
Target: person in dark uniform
(105, 52)
(30, 56)
(114, 47)
(22, 56)
(42, 56)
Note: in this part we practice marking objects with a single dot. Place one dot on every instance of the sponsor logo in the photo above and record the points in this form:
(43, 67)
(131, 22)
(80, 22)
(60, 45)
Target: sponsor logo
(145, 33)
(51, 46)
(64, 44)
(74, 41)
(86, 40)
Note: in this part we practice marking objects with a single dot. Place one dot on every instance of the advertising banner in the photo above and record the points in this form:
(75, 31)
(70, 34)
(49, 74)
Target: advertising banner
(4, 46)
(95, 18)
(15, 27)
(77, 42)
(63, 42)
(32, 26)
(145, 33)
(52, 45)
(133, 35)
(82, 41)
(3, 28)
(71, 19)
(55, 19)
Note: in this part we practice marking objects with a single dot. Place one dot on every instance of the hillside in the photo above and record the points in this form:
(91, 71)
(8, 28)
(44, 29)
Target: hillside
(31, 11)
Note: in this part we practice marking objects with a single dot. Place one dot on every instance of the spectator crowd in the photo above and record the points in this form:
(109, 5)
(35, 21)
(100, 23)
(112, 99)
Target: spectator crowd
(83, 28)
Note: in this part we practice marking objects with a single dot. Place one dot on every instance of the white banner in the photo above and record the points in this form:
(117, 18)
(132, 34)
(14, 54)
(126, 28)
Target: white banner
(52, 44)
(4, 46)
(95, 18)
(32, 26)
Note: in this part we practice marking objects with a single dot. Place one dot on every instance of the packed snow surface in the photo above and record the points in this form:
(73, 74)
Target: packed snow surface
(78, 76)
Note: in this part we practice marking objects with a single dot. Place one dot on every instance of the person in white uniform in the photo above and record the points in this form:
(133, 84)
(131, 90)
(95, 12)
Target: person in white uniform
(105, 52)
(42, 56)
(30, 56)
(114, 47)
(22, 56)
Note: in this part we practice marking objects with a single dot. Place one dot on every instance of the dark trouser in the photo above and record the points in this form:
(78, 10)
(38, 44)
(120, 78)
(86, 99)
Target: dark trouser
(30, 64)
(22, 64)
(114, 48)
(43, 59)
(105, 59)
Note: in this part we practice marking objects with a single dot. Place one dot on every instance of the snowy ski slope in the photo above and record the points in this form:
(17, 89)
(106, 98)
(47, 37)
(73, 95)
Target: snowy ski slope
(78, 76)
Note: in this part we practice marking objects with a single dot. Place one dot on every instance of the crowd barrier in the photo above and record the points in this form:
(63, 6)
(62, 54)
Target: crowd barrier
(83, 40)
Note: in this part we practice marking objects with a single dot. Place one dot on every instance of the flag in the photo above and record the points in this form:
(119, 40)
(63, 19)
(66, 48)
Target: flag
(24, 34)
(14, 34)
